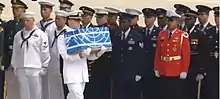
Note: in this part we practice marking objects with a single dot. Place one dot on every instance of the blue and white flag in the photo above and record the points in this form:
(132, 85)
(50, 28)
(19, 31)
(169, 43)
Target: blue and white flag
(94, 37)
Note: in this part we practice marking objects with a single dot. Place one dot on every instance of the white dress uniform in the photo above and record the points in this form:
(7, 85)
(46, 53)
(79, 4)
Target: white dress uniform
(29, 58)
(75, 69)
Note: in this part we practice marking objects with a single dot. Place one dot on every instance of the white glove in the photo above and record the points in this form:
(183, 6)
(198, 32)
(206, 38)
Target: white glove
(102, 51)
(199, 77)
(14, 70)
(157, 74)
(2, 68)
(137, 78)
(183, 75)
(85, 53)
(43, 71)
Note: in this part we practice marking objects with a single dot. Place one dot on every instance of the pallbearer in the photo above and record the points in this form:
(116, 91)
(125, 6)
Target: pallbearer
(203, 17)
(161, 18)
(135, 13)
(66, 5)
(112, 17)
(30, 58)
(87, 16)
(10, 29)
(46, 23)
(212, 80)
(181, 10)
(150, 33)
(172, 59)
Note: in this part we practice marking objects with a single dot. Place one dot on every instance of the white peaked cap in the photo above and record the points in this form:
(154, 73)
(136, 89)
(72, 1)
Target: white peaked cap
(101, 11)
(133, 11)
(112, 10)
(29, 15)
(172, 14)
(76, 12)
(46, 2)
(61, 13)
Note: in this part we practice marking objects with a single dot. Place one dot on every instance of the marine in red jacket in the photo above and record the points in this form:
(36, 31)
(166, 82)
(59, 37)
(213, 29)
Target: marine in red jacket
(172, 58)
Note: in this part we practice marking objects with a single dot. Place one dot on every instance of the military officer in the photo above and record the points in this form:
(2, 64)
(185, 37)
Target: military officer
(46, 22)
(112, 17)
(197, 46)
(172, 59)
(2, 74)
(181, 9)
(87, 16)
(203, 17)
(29, 42)
(10, 29)
(212, 82)
(75, 71)
(74, 19)
(127, 71)
(150, 33)
(56, 63)
(66, 5)
(161, 18)
(101, 68)
(135, 13)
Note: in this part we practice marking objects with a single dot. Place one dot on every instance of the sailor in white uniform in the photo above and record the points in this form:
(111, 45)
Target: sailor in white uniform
(75, 70)
(30, 58)
(46, 23)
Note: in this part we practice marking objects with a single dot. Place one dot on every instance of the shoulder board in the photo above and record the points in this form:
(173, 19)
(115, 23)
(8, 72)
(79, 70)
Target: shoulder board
(186, 35)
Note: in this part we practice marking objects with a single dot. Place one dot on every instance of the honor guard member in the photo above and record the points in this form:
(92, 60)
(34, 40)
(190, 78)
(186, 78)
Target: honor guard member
(181, 10)
(203, 17)
(2, 73)
(112, 17)
(135, 13)
(10, 29)
(101, 68)
(56, 63)
(172, 59)
(127, 71)
(87, 16)
(66, 5)
(197, 57)
(46, 23)
(212, 78)
(162, 18)
(75, 71)
(30, 57)
(74, 19)
(150, 33)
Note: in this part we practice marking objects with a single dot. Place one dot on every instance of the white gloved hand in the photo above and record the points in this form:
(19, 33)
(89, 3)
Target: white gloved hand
(183, 75)
(85, 53)
(102, 51)
(157, 74)
(199, 77)
(14, 70)
(2, 68)
(137, 78)
(43, 71)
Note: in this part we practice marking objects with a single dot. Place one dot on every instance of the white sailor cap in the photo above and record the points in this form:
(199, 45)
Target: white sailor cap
(29, 15)
(133, 11)
(61, 13)
(46, 3)
(76, 14)
(112, 10)
(101, 11)
(172, 14)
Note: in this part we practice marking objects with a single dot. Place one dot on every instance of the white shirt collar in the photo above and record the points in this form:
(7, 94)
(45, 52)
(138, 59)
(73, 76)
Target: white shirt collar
(88, 25)
(126, 33)
(65, 27)
(151, 28)
(165, 27)
(204, 25)
(26, 32)
(173, 31)
(191, 29)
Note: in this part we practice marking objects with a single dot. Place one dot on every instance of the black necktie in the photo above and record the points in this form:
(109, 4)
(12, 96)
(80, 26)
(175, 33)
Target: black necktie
(148, 32)
(217, 31)
(201, 27)
(123, 36)
(169, 35)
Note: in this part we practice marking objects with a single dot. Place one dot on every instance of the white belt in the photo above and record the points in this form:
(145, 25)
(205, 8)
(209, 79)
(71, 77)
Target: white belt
(167, 59)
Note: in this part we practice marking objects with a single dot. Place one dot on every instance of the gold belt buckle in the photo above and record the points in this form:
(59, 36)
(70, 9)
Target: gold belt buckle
(166, 59)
